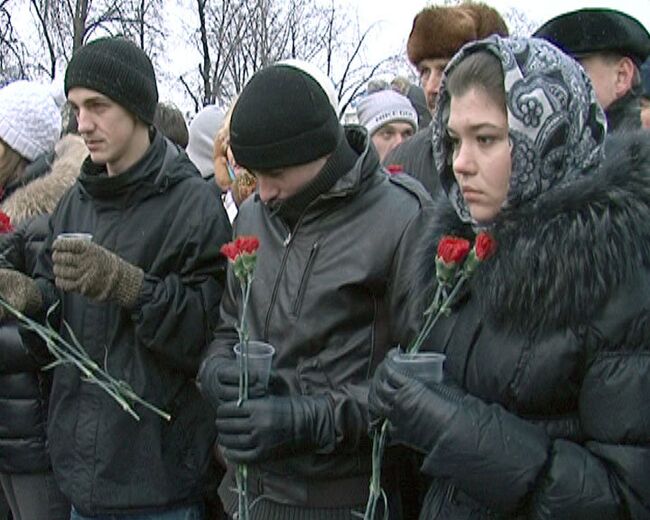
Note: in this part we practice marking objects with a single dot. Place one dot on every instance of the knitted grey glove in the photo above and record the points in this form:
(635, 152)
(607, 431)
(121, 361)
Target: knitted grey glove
(95, 272)
(19, 291)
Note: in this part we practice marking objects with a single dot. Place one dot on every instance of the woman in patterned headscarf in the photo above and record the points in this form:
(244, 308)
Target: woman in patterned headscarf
(544, 409)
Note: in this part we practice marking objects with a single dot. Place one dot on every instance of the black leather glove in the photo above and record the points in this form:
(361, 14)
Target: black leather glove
(19, 291)
(274, 427)
(218, 381)
(417, 414)
(95, 272)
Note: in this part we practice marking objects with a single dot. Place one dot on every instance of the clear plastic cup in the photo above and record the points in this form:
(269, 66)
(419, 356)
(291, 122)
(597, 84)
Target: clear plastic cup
(423, 366)
(76, 236)
(260, 355)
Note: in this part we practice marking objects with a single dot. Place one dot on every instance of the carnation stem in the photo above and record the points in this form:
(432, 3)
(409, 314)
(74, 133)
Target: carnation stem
(74, 354)
(432, 314)
(241, 471)
(433, 317)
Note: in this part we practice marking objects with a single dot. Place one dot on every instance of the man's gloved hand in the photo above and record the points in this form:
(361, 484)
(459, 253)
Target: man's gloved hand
(274, 427)
(418, 414)
(19, 291)
(88, 268)
(219, 381)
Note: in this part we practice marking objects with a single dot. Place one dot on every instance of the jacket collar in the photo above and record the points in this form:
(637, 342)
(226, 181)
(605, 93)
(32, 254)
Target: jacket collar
(155, 172)
(366, 165)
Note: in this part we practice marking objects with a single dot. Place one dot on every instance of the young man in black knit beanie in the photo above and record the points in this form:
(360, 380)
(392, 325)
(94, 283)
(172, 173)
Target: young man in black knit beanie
(337, 237)
(141, 296)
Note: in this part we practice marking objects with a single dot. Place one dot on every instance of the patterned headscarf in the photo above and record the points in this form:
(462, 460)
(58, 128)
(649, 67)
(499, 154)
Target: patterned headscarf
(556, 126)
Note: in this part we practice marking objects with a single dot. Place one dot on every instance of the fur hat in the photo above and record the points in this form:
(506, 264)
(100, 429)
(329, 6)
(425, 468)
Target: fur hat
(440, 31)
(30, 119)
(592, 30)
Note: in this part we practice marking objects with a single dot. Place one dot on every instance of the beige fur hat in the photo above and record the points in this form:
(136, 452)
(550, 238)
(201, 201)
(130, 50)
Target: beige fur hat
(439, 31)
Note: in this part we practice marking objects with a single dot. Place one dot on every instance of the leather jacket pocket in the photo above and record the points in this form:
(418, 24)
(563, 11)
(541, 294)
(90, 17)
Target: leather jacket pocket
(311, 377)
(297, 304)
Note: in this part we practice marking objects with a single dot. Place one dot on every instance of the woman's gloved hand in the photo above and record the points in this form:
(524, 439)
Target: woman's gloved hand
(274, 427)
(418, 414)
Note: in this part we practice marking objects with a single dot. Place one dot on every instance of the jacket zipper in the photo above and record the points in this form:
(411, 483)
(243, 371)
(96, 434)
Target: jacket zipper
(274, 296)
(302, 288)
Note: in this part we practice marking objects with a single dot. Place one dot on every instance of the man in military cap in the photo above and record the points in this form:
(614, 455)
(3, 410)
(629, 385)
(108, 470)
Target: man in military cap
(611, 46)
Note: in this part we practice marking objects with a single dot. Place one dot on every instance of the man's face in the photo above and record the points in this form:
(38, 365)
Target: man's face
(604, 75)
(107, 129)
(430, 71)
(282, 183)
(391, 136)
(645, 112)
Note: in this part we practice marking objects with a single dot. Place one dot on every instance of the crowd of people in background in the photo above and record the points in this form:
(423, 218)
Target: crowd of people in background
(113, 239)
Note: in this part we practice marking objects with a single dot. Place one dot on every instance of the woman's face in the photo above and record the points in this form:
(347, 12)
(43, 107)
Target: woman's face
(482, 164)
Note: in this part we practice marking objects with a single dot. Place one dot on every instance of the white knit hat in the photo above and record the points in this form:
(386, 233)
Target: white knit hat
(30, 119)
(383, 107)
(321, 78)
(202, 131)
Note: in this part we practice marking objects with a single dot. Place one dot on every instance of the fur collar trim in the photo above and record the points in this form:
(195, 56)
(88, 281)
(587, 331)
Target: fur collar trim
(42, 194)
(560, 257)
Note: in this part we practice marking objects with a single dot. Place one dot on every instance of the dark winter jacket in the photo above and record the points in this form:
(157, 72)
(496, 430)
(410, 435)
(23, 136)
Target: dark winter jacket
(552, 342)
(159, 216)
(415, 157)
(24, 387)
(331, 298)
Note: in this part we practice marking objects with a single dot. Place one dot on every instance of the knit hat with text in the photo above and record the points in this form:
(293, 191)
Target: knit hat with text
(386, 106)
(119, 69)
(283, 117)
(30, 118)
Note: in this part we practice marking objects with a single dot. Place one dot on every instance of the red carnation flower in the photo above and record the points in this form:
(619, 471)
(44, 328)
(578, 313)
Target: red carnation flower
(230, 251)
(244, 245)
(5, 223)
(395, 168)
(247, 244)
(453, 250)
(485, 246)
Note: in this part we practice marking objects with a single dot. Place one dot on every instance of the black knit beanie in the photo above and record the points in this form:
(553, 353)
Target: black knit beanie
(282, 118)
(120, 70)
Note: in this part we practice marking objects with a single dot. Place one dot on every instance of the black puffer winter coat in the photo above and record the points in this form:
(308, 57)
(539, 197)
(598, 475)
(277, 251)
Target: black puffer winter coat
(24, 387)
(552, 342)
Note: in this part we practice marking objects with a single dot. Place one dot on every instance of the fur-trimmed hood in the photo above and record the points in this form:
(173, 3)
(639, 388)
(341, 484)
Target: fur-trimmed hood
(561, 256)
(43, 193)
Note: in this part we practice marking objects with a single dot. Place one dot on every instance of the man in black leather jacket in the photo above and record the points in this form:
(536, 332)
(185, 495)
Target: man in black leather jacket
(337, 235)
